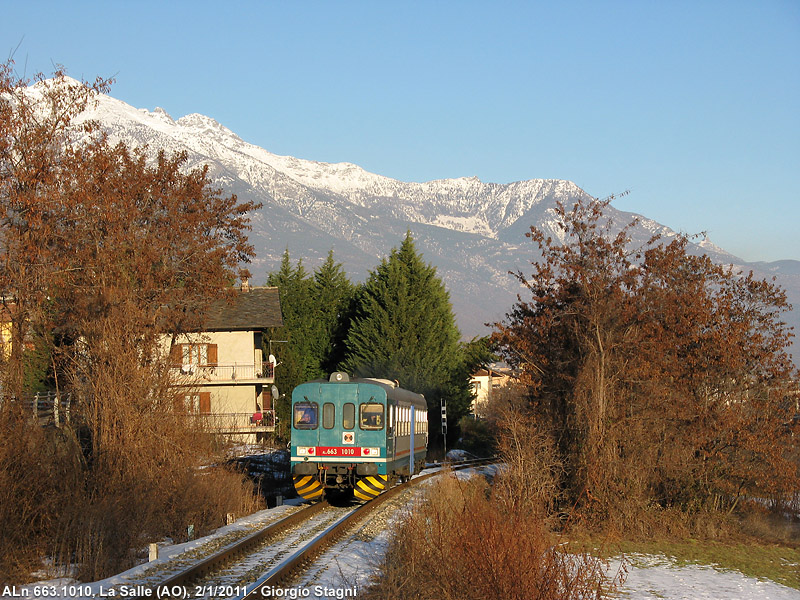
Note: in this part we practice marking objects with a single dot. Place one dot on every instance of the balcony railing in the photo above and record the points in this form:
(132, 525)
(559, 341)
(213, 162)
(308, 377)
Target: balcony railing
(235, 422)
(234, 372)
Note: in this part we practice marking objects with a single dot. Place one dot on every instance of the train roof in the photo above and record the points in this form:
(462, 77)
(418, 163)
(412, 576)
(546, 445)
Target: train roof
(393, 389)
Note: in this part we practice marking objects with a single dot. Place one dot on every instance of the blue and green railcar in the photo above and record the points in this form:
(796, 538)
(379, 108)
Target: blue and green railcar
(358, 435)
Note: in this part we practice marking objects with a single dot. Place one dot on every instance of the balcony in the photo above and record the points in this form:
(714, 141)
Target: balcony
(220, 373)
(234, 423)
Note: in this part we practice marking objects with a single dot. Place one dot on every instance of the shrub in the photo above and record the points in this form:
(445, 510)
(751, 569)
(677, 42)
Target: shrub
(37, 475)
(460, 542)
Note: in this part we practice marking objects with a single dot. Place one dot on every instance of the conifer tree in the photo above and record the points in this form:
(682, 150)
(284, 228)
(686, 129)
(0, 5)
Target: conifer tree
(404, 329)
(332, 293)
(293, 351)
(315, 315)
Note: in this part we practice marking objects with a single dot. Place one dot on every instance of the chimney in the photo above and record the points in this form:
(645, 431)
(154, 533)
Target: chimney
(245, 285)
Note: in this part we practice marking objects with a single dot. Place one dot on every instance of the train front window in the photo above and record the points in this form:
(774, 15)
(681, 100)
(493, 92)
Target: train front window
(328, 415)
(371, 416)
(349, 415)
(305, 415)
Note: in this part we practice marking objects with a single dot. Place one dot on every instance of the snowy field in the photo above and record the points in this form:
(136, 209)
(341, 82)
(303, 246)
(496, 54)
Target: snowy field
(654, 577)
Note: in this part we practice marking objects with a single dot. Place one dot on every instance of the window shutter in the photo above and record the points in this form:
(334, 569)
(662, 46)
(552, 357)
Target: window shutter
(266, 400)
(205, 403)
(212, 355)
(176, 355)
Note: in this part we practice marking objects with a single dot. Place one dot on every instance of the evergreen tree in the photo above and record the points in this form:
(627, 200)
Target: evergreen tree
(332, 294)
(315, 316)
(403, 328)
(293, 351)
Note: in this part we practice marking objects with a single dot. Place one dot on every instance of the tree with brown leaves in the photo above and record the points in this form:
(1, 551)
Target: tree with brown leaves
(36, 129)
(103, 251)
(662, 376)
(85, 226)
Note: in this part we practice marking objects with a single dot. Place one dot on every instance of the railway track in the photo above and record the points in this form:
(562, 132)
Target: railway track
(269, 559)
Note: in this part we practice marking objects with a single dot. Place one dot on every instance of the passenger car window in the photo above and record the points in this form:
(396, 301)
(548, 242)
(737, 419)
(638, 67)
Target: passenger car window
(371, 416)
(305, 415)
(328, 415)
(349, 415)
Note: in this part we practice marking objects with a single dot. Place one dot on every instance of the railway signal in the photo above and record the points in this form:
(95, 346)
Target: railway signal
(444, 425)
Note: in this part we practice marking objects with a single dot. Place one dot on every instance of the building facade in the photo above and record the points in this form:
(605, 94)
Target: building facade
(222, 372)
(486, 382)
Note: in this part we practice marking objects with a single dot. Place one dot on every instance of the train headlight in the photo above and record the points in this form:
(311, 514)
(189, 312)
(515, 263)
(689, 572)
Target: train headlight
(305, 451)
(370, 451)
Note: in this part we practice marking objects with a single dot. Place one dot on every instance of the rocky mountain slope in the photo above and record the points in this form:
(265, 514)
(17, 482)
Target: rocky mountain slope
(472, 231)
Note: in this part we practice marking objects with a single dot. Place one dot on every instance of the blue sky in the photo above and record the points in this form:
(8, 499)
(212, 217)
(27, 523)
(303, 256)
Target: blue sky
(692, 106)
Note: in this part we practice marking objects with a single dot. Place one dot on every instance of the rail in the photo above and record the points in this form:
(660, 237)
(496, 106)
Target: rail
(240, 547)
(282, 573)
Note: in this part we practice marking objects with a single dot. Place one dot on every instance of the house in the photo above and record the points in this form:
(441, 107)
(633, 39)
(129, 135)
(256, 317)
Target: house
(485, 382)
(226, 377)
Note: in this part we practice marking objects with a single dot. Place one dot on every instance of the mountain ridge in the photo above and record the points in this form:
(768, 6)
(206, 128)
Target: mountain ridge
(472, 231)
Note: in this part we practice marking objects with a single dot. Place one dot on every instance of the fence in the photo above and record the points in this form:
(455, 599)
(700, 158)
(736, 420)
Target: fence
(47, 408)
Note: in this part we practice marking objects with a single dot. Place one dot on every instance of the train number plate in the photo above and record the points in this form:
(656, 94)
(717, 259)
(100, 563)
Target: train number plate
(335, 451)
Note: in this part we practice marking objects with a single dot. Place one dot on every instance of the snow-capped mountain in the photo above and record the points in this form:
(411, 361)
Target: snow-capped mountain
(472, 231)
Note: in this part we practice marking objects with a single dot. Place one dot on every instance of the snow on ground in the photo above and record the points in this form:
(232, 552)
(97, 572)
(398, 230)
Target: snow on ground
(658, 577)
(649, 577)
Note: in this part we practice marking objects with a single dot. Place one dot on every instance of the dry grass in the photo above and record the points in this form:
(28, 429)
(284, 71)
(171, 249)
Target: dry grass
(37, 475)
(98, 515)
(460, 542)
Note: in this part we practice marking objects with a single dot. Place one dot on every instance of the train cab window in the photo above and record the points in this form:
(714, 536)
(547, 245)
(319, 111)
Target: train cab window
(328, 415)
(371, 416)
(348, 415)
(305, 415)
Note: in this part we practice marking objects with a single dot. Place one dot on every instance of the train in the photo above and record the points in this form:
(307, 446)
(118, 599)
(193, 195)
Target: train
(355, 436)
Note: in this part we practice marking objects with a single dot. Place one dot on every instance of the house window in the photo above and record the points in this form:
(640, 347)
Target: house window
(195, 354)
(194, 404)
